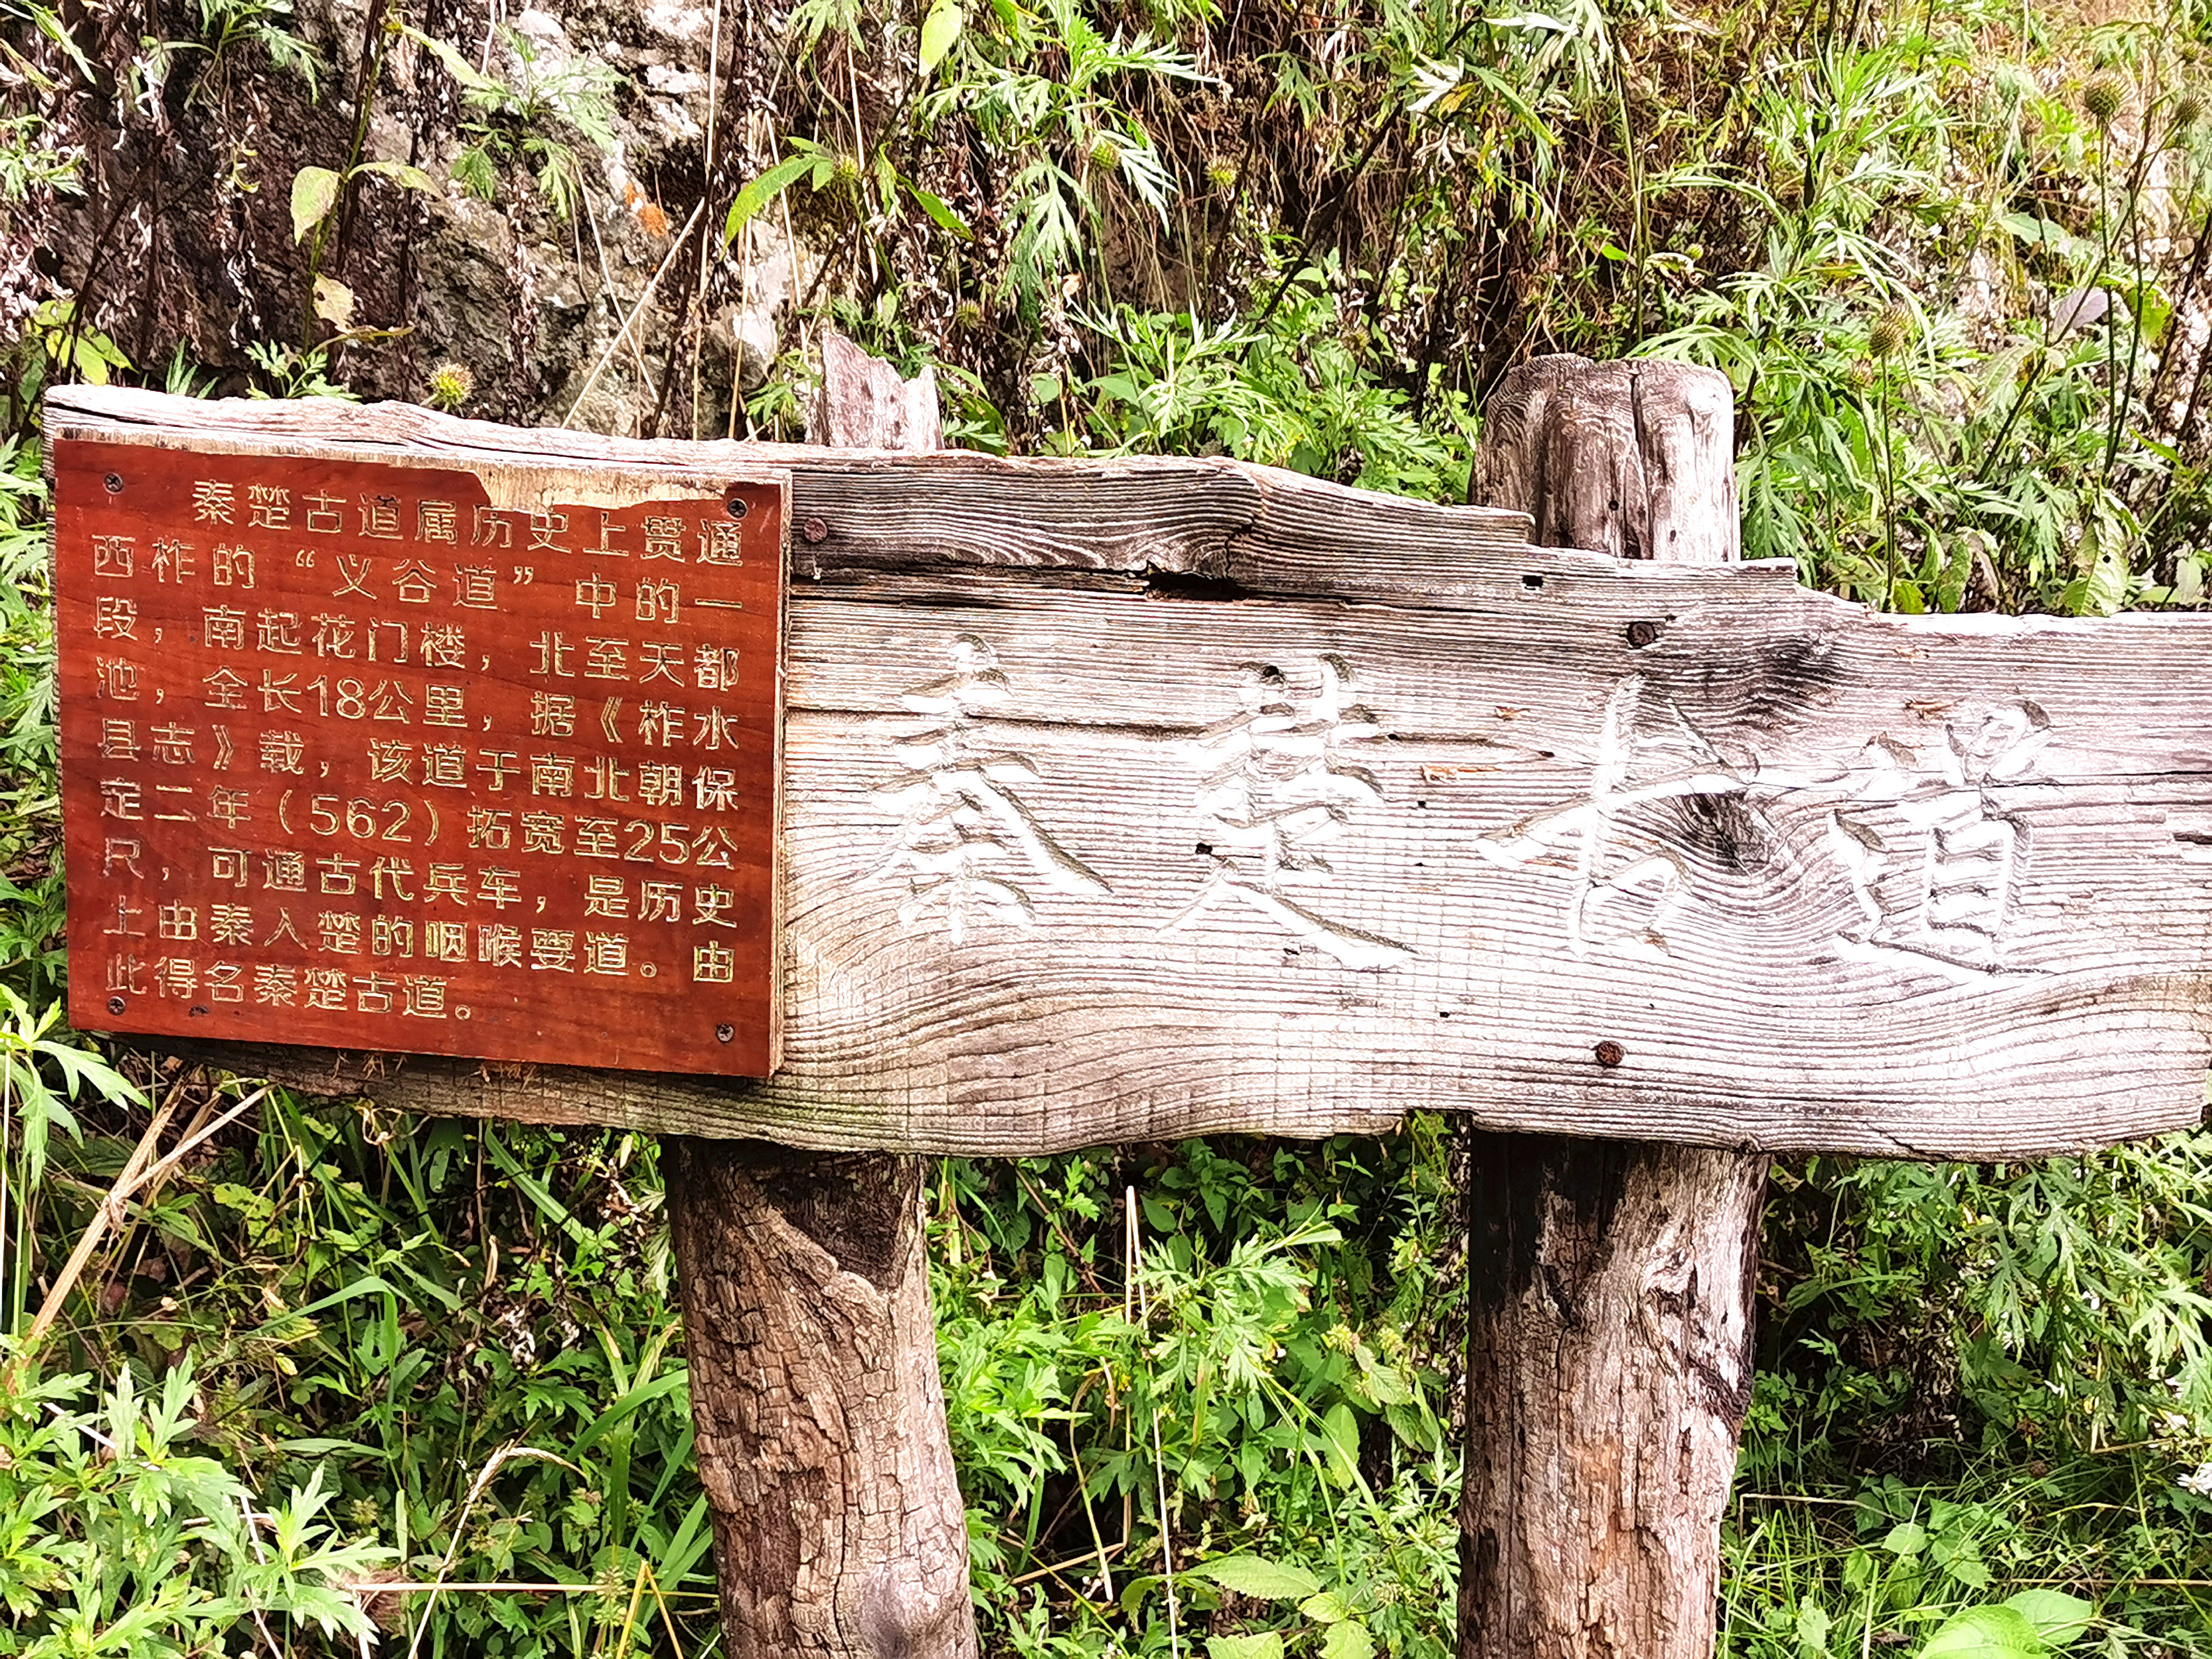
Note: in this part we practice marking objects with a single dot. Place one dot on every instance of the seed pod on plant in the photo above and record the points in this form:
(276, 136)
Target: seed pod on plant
(1891, 332)
(1105, 154)
(2188, 109)
(451, 386)
(2102, 96)
(968, 316)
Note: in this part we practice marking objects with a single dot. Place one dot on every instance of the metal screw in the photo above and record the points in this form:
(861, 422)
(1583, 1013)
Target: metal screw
(725, 1033)
(736, 506)
(1610, 1053)
(116, 1004)
(115, 484)
(814, 530)
(1641, 634)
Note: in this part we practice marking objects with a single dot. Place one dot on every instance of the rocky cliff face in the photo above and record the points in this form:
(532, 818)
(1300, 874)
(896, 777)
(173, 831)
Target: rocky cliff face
(185, 231)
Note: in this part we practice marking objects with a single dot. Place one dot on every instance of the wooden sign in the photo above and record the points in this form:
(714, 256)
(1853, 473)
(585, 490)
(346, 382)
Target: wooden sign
(391, 755)
(1144, 799)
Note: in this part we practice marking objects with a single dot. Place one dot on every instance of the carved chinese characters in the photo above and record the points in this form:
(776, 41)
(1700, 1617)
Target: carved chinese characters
(354, 756)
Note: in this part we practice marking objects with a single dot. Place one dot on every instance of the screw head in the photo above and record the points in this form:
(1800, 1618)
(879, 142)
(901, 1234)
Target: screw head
(1641, 634)
(736, 506)
(814, 530)
(116, 1004)
(115, 484)
(725, 1033)
(1610, 1053)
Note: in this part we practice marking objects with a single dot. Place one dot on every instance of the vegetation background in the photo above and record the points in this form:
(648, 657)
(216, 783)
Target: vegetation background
(1955, 261)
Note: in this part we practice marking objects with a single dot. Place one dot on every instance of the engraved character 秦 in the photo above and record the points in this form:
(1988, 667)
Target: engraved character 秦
(213, 502)
(967, 844)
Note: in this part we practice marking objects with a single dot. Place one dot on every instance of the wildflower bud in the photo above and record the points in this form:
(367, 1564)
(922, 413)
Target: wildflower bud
(2188, 109)
(2101, 97)
(845, 174)
(968, 316)
(1891, 332)
(451, 386)
(1105, 154)
(1340, 1339)
(1221, 175)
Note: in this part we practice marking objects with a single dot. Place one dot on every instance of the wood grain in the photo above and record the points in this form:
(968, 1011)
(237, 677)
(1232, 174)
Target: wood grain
(839, 1530)
(1080, 851)
(1609, 1283)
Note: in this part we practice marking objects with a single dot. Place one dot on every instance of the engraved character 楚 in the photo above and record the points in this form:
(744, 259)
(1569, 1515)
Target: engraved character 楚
(1278, 783)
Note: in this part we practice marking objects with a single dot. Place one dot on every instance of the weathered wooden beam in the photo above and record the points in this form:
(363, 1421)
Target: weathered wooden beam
(1129, 799)
(1609, 1283)
(839, 1529)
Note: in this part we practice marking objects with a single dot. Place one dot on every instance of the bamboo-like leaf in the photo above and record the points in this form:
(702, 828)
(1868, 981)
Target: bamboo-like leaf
(763, 190)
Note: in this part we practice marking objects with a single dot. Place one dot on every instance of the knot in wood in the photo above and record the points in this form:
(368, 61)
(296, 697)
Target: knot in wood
(1610, 1053)
(1641, 634)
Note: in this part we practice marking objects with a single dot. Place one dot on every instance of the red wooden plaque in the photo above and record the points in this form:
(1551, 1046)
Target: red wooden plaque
(352, 757)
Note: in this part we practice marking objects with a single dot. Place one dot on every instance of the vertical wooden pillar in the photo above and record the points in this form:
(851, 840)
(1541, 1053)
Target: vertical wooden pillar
(1609, 1283)
(839, 1531)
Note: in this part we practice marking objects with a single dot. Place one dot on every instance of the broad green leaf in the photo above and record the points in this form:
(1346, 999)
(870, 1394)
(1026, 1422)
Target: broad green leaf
(763, 190)
(1254, 1575)
(314, 193)
(1267, 1644)
(1813, 1627)
(1906, 1538)
(939, 30)
(1326, 1608)
(2059, 1618)
(1985, 1633)
(1348, 1640)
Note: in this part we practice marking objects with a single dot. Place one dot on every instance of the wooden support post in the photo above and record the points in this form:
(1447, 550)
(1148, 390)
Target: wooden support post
(839, 1530)
(1609, 1283)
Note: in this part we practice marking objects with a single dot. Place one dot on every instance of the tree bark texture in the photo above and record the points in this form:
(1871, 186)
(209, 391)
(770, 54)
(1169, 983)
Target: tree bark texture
(838, 1526)
(1609, 1283)
(839, 1530)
